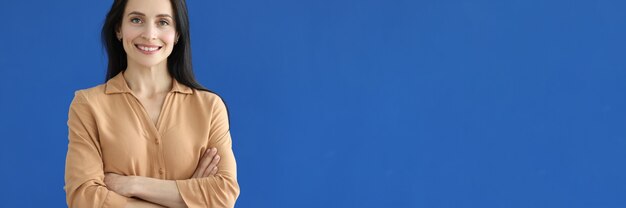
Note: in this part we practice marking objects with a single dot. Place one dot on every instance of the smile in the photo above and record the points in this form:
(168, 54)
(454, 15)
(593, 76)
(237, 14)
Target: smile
(146, 49)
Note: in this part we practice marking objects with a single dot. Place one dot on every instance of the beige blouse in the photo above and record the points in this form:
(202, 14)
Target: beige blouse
(109, 131)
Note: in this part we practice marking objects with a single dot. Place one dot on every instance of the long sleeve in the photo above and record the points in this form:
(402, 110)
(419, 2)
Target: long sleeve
(222, 189)
(84, 175)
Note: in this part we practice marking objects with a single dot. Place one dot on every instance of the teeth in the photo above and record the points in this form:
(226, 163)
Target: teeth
(143, 48)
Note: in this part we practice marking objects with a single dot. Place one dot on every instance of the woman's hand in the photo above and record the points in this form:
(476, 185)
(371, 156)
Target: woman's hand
(157, 191)
(119, 184)
(208, 164)
(124, 185)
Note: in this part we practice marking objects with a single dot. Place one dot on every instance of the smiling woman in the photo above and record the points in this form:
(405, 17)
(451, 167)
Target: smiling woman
(151, 136)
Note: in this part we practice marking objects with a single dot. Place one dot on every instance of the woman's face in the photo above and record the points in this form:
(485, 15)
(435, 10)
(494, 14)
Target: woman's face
(148, 32)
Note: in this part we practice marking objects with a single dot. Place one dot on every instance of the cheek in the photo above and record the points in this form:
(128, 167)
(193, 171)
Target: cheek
(128, 37)
(168, 36)
(129, 33)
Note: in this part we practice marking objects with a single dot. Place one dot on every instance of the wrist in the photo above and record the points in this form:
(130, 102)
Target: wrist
(134, 186)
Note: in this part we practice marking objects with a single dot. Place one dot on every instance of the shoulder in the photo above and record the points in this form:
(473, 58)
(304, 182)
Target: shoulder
(83, 101)
(211, 100)
(208, 96)
(88, 94)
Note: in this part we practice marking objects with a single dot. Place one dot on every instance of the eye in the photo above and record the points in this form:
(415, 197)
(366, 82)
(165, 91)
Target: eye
(135, 20)
(164, 23)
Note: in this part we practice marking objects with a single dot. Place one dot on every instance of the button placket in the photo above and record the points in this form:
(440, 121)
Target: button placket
(159, 133)
(161, 171)
(160, 157)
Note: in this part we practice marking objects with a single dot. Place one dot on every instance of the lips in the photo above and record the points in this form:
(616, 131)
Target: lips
(148, 49)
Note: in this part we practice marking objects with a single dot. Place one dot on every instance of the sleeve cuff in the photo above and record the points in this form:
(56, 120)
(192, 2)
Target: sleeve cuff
(114, 200)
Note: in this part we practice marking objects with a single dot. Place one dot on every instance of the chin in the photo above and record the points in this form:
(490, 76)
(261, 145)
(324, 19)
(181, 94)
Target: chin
(150, 63)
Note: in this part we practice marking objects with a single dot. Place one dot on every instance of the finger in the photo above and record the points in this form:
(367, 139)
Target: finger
(202, 164)
(214, 171)
(206, 160)
(214, 162)
(195, 172)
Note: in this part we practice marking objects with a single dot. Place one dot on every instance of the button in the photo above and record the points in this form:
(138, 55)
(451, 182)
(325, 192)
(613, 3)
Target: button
(161, 171)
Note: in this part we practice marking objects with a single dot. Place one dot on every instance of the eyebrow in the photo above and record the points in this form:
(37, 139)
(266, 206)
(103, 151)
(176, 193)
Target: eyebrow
(142, 14)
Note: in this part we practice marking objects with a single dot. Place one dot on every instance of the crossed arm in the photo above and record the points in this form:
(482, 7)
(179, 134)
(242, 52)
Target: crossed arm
(86, 185)
(151, 192)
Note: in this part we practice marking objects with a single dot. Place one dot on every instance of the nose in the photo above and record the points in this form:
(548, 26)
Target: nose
(149, 32)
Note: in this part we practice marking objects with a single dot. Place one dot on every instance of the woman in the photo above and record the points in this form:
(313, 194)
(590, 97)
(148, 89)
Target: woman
(151, 136)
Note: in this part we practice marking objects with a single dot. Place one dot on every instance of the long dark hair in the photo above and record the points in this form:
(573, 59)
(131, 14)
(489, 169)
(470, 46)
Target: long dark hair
(178, 63)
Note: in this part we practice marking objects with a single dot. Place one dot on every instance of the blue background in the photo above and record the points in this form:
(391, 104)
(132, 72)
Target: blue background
(358, 103)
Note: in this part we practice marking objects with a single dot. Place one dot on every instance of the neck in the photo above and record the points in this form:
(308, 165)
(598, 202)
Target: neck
(148, 81)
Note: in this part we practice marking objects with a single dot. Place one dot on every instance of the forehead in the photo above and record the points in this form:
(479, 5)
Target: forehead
(149, 7)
